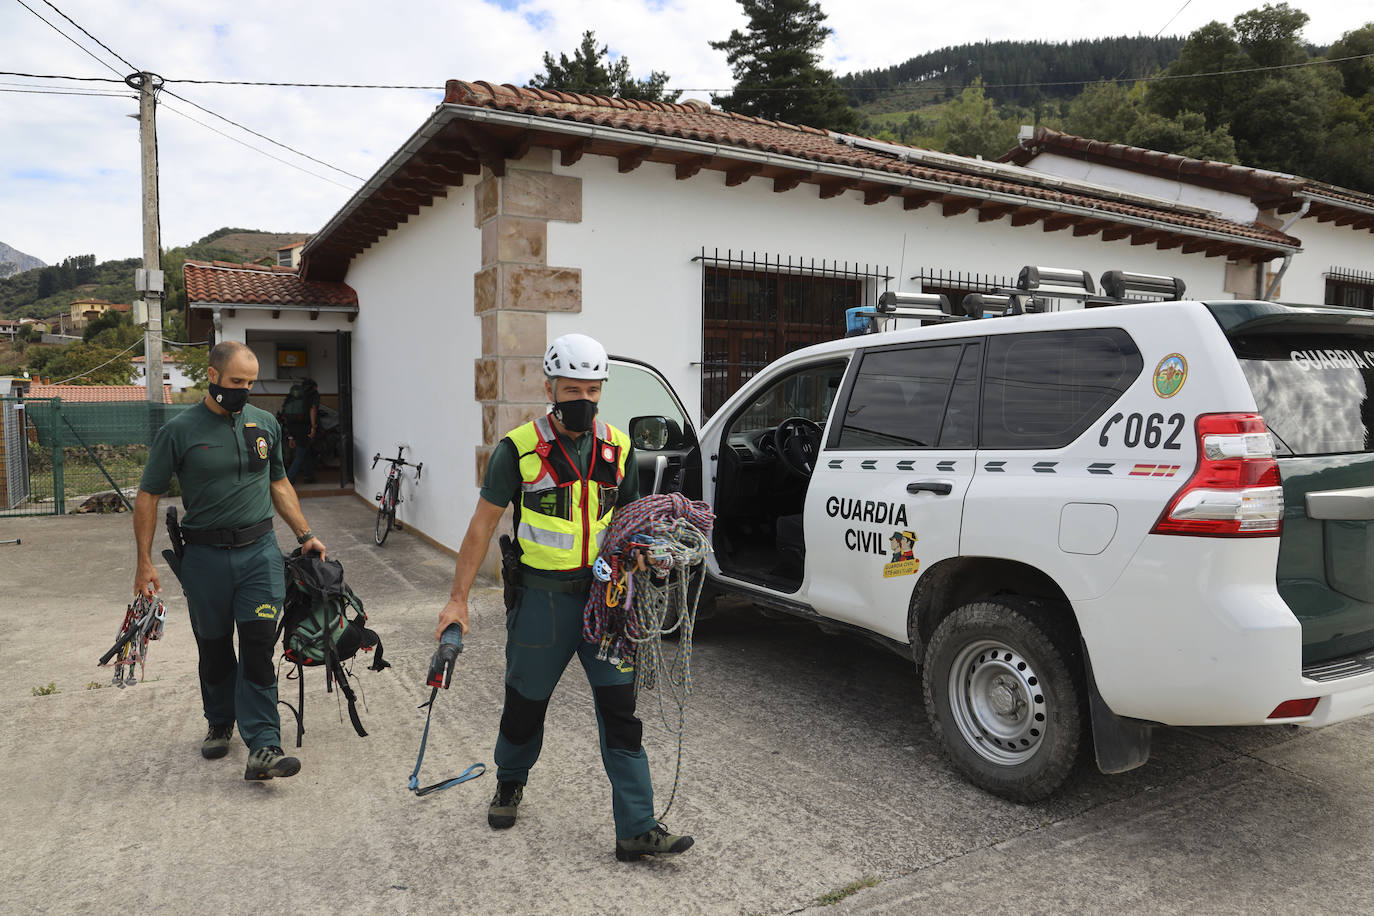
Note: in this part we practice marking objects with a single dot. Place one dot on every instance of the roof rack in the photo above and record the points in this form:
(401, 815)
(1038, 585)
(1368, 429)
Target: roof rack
(1033, 286)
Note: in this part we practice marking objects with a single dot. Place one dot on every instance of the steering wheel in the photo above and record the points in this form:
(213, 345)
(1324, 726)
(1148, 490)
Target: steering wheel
(799, 442)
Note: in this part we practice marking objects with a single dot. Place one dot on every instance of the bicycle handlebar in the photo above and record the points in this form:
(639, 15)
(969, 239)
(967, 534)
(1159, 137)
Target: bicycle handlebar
(398, 461)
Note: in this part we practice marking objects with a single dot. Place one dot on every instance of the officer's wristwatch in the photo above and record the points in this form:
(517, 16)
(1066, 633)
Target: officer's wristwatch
(305, 536)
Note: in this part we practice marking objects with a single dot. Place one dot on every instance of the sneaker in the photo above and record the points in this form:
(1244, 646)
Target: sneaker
(501, 814)
(657, 842)
(269, 762)
(216, 743)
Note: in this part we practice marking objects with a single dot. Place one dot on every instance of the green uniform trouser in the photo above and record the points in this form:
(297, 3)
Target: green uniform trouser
(543, 632)
(241, 588)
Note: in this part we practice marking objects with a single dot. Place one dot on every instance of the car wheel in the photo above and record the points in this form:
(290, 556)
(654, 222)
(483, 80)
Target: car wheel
(1004, 695)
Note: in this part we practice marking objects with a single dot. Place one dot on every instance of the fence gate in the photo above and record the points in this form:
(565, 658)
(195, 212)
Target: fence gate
(14, 454)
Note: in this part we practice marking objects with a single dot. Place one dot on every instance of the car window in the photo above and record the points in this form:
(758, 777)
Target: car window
(898, 399)
(808, 393)
(1043, 389)
(634, 391)
(1313, 389)
(957, 430)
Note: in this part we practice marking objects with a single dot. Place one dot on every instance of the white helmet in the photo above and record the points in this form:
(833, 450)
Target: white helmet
(576, 356)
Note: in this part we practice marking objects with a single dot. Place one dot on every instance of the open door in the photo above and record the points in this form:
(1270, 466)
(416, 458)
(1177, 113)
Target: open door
(639, 400)
(343, 350)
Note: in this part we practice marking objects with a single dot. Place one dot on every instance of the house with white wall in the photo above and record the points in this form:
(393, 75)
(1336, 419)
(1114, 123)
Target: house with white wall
(1335, 264)
(703, 242)
(173, 373)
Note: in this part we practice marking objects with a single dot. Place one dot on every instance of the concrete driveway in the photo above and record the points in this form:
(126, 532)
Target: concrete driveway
(809, 771)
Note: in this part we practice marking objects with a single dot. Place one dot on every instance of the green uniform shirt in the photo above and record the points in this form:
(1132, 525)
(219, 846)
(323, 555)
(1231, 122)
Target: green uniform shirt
(225, 465)
(501, 486)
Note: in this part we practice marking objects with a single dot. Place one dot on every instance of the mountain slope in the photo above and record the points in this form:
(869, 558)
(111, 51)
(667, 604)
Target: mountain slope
(14, 261)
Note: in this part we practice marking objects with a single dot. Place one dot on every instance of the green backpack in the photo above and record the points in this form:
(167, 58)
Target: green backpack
(323, 624)
(296, 407)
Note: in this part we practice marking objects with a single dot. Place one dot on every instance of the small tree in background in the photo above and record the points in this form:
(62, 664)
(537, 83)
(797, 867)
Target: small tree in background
(587, 72)
(777, 69)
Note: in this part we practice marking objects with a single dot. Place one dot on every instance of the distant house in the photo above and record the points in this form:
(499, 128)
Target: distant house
(96, 394)
(172, 372)
(8, 328)
(1335, 264)
(83, 311)
(40, 326)
(290, 255)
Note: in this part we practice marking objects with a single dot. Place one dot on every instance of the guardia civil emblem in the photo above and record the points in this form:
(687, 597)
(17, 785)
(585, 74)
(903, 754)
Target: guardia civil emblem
(1170, 375)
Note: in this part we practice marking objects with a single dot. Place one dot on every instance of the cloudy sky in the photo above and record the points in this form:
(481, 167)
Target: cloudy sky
(70, 163)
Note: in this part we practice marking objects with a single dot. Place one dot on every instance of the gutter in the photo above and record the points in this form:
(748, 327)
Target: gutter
(1288, 256)
(274, 307)
(448, 112)
(1308, 198)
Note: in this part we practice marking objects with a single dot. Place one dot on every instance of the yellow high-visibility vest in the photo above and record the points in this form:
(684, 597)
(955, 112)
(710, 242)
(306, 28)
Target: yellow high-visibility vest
(561, 516)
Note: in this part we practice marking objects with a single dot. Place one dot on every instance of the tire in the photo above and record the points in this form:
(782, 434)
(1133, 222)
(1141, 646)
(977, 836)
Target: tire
(386, 512)
(1005, 696)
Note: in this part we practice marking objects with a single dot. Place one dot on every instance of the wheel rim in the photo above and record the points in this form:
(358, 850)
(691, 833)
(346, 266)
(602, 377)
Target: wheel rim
(998, 702)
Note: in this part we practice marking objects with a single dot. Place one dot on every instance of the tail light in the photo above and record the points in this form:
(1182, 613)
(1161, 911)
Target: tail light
(1235, 490)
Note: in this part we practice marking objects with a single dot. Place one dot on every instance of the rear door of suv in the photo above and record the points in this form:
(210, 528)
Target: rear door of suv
(1312, 374)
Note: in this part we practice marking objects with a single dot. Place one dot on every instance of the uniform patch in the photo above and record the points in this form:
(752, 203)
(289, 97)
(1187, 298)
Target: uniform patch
(262, 447)
(266, 611)
(607, 453)
(1170, 375)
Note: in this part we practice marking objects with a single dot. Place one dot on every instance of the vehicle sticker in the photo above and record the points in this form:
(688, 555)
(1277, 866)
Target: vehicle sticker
(866, 510)
(1170, 375)
(995, 466)
(869, 464)
(1100, 467)
(1044, 467)
(906, 464)
(836, 463)
(945, 465)
(904, 561)
(1315, 360)
(1138, 430)
(885, 515)
(1154, 470)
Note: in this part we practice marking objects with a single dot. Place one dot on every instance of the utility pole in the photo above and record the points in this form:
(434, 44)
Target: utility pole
(148, 281)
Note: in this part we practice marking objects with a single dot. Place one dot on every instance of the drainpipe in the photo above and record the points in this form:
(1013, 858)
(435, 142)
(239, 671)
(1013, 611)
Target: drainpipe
(1287, 258)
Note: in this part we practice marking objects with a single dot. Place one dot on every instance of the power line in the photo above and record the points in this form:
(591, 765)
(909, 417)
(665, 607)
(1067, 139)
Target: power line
(53, 76)
(256, 149)
(113, 95)
(84, 49)
(102, 365)
(91, 37)
(263, 136)
(1157, 34)
(305, 85)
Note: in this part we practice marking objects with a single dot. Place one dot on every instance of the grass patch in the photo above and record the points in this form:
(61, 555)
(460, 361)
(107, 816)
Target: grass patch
(831, 898)
(45, 691)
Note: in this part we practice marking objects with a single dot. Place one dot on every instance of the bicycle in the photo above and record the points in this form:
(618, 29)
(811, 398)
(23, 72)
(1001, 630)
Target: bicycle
(391, 492)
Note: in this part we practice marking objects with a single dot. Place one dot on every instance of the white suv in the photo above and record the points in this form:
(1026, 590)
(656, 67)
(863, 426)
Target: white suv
(1088, 521)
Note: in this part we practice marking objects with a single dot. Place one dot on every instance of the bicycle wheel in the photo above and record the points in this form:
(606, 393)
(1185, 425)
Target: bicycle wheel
(386, 512)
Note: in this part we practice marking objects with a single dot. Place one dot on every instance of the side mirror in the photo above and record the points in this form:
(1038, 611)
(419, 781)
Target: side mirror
(654, 434)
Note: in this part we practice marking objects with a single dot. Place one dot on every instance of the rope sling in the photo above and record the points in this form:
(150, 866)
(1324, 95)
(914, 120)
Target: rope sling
(629, 612)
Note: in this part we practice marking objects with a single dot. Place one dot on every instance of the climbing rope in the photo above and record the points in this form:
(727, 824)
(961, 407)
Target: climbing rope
(629, 611)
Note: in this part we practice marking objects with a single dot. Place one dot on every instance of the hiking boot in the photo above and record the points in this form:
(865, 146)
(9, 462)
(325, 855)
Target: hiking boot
(269, 762)
(216, 743)
(501, 814)
(657, 842)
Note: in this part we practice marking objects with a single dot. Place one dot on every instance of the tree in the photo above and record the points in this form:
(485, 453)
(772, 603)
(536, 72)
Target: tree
(194, 361)
(95, 365)
(971, 126)
(1185, 135)
(1271, 36)
(777, 68)
(585, 72)
(1357, 74)
(1211, 49)
(1103, 111)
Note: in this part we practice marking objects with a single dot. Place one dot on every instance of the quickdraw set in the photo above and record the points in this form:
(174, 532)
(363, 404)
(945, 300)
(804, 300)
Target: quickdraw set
(143, 622)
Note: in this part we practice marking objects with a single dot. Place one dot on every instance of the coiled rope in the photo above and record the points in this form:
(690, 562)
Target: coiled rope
(629, 612)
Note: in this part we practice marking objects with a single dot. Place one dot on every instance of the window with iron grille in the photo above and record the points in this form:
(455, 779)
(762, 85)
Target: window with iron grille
(755, 309)
(1350, 288)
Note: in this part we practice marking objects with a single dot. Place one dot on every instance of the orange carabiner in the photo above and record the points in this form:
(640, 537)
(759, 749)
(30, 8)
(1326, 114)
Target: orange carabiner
(614, 592)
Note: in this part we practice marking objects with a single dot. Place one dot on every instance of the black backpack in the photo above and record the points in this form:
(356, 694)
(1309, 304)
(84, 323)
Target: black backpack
(323, 624)
(296, 408)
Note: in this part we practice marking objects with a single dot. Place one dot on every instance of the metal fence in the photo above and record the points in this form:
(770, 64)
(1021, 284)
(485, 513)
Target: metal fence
(61, 456)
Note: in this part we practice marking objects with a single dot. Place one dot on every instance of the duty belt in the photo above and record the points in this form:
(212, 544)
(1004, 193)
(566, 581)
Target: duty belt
(227, 538)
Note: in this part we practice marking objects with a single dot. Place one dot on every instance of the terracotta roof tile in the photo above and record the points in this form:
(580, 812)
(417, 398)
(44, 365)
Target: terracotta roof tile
(1260, 183)
(232, 284)
(96, 393)
(697, 122)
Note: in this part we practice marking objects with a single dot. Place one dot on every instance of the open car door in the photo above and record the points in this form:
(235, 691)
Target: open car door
(639, 400)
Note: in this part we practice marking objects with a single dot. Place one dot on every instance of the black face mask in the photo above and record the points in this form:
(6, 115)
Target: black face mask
(231, 399)
(576, 416)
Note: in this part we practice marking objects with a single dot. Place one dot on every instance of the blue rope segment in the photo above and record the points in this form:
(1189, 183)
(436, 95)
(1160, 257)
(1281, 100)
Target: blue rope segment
(472, 772)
